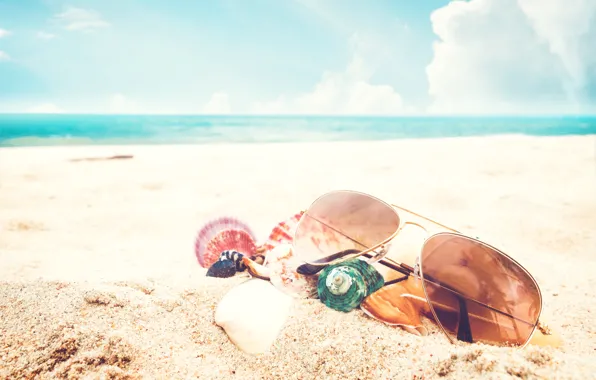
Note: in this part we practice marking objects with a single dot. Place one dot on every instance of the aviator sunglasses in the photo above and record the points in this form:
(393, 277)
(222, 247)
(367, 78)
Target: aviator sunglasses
(475, 292)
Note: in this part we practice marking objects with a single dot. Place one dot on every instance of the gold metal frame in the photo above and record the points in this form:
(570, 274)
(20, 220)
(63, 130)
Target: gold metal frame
(423, 223)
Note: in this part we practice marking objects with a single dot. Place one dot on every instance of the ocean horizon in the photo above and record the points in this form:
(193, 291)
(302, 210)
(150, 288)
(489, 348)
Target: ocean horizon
(80, 129)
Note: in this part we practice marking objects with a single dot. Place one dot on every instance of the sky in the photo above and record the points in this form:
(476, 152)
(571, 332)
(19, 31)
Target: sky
(315, 57)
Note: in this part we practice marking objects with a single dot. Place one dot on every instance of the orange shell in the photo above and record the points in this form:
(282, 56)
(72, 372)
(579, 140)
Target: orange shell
(398, 304)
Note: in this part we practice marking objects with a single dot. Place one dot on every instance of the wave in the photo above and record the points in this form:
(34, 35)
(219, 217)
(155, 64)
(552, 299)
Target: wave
(36, 130)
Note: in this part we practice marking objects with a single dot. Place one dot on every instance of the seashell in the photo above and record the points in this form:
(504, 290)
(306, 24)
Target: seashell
(236, 240)
(234, 256)
(213, 239)
(222, 269)
(282, 233)
(283, 265)
(398, 304)
(214, 227)
(259, 259)
(255, 269)
(237, 257)
(345, 285)
(281, 271)
(252, 314)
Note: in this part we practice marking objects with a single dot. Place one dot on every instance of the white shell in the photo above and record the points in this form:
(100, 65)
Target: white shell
(252, 314)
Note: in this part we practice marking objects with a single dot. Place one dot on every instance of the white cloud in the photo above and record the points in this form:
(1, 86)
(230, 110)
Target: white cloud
(218, 104)
(514, 56)
(119, 103)
(44, 35)
(45, 108)
(81, 19)
(347, 92)
(4, 56)
(277, 106)
(4, 33)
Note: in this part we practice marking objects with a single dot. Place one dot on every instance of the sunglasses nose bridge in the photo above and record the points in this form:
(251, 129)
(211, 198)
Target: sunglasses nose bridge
(415, 224)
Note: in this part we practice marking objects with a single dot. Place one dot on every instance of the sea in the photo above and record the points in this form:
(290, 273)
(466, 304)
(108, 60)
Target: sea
(63, 129)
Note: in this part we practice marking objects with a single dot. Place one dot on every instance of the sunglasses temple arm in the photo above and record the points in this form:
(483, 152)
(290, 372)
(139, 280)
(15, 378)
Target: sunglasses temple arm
(464, 330)
(401, 268)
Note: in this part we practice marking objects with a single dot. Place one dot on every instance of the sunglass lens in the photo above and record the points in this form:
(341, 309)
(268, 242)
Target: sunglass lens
(478, 294)
(343, 220)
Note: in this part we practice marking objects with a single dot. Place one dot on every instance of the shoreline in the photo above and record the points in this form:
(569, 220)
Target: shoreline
(62, 142)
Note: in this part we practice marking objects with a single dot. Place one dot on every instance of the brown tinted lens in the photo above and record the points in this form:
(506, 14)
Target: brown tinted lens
(343, 220)
(478, 294)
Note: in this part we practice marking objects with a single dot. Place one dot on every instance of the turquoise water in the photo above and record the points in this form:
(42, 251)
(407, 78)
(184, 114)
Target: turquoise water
(27, 130)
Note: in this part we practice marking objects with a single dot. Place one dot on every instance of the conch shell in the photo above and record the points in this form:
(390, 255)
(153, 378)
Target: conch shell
(399, 304)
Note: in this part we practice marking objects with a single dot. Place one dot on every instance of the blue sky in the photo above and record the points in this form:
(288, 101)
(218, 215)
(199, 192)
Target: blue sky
(376, 57)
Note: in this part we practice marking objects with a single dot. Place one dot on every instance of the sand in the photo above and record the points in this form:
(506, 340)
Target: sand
(99, 278)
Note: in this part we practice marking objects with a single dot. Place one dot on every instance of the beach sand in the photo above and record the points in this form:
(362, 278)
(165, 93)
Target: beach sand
(100, 280)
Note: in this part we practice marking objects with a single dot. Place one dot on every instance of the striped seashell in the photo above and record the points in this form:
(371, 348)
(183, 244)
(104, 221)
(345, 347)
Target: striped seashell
(235, 257)
(282, 233)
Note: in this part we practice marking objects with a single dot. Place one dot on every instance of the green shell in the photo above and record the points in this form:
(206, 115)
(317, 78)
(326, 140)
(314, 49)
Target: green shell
(343, 286)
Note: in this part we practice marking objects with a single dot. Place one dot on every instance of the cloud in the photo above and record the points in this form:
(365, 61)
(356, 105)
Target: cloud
(4, 33)
(4, 56)
(277, 106)
(44, 35)
(513, 56)
(347, 92)
(218, 104)
(45, 108)
(81, 19)
(119, 103)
